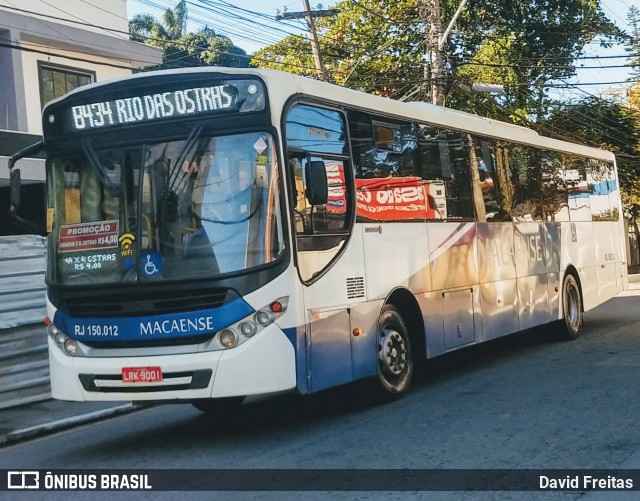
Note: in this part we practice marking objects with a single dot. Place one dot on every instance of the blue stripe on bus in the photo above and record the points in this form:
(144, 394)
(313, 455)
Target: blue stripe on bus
(579, 194)
(604, 187)
(164, 326)
(300, 347)
(601, 188)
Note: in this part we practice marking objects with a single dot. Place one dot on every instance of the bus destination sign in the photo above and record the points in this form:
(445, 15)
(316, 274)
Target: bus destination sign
(138, 109)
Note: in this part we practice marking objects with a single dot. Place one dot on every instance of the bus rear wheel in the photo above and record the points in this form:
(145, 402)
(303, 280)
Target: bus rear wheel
(218, 407)
(571, 307)
(393, 354)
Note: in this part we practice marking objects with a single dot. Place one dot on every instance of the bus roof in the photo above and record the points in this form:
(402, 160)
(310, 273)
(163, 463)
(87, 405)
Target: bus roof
(282, 86)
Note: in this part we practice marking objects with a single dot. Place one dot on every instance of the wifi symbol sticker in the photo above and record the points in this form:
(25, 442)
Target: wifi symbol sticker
(126, 239)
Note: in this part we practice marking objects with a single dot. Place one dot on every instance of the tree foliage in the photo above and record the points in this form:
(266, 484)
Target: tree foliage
(633, 42)
(147, 29)
(376, 46)
(202, 48)
(605, 124)
(379, 46)
(539, 41)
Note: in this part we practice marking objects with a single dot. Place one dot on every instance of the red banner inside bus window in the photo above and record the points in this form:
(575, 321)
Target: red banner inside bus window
(394, 199)
(386, 199)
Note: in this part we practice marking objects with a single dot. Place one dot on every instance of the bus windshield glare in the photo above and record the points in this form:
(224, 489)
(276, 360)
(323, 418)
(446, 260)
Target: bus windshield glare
(197, 207)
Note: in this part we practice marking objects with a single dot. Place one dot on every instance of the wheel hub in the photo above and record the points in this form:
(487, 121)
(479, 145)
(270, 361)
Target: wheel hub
(392, 352)
(573, 306)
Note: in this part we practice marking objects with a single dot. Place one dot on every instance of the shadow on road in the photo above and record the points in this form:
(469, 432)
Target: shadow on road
(273, 417)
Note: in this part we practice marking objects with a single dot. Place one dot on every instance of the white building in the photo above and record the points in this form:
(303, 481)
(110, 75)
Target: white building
(46, 50)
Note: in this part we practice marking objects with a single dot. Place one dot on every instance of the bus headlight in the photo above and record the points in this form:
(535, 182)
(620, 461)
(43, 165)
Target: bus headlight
(239, 332)
(263, 318)
(248, 329)
(57, 335)
(228, 338)
(70, 347)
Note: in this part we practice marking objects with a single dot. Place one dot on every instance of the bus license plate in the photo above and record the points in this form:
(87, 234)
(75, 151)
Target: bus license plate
(141, 375)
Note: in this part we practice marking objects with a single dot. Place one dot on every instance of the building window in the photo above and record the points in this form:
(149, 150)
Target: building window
(56, 81)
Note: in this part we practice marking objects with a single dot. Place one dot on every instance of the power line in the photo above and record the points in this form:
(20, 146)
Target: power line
(62, 19)
(169, 62)
(497, 65)
(246, 32)
(71, 58)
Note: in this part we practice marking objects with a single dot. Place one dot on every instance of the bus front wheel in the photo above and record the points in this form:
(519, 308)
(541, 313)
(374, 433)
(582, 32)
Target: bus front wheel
(393, 354)
(571, 307)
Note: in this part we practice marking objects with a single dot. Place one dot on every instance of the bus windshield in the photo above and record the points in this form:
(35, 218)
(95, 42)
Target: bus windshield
(197, 207)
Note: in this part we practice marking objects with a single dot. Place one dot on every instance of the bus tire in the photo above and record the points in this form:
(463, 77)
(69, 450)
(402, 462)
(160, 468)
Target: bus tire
(571, 307)
(394, 361)
(218, 407)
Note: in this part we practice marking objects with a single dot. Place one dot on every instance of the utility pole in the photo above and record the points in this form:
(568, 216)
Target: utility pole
(434, 58)
(435, 53)
(315, 46)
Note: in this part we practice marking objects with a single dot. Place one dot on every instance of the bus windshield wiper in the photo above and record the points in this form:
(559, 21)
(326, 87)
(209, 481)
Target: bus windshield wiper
(97, 166)
(174, 171)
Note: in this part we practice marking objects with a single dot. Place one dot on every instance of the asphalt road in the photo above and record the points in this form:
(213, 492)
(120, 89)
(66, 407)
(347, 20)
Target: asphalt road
(526, 401)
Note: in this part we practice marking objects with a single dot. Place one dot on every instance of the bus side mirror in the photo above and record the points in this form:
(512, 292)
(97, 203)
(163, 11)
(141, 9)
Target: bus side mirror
(317, 192)
(16, 189)
(14, 181)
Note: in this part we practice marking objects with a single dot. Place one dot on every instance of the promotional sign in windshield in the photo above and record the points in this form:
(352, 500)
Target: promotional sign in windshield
(88, 236)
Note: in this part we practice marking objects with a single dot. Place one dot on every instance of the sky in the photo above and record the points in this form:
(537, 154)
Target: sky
(616, 11)
(247, 34)
(241, 35)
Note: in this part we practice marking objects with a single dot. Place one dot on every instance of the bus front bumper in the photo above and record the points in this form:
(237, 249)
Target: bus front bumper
(263, 364)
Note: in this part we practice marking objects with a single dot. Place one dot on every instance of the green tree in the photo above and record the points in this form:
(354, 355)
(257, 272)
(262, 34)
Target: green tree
(202, 48)
(605, 124)
(379, 45)
(538, 40)
(633, 40)
(372, 45)
(147, 29)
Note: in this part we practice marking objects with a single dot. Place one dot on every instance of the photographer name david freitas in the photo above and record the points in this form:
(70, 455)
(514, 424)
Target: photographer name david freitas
(585, 482)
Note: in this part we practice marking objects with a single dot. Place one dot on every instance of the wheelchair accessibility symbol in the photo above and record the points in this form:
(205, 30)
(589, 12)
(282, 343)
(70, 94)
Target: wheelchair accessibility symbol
(151, 264)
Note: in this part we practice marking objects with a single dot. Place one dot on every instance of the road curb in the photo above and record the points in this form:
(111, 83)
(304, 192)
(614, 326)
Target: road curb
(66, 423)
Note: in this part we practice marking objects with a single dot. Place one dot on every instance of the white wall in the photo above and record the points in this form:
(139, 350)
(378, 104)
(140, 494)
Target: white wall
(110, 13)
(32, 85)
(75, 45)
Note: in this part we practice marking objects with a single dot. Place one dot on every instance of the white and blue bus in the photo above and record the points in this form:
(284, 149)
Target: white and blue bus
(216, 233)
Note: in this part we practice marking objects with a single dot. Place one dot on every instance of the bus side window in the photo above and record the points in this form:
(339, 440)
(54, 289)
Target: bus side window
(525, 164)
(299, 210)
(575, 177)
(324, 218)
(362, 143)
(316, 139)
(492, 186)
(388, 183)
(601, 182)
(445, 169)
(553, 189)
